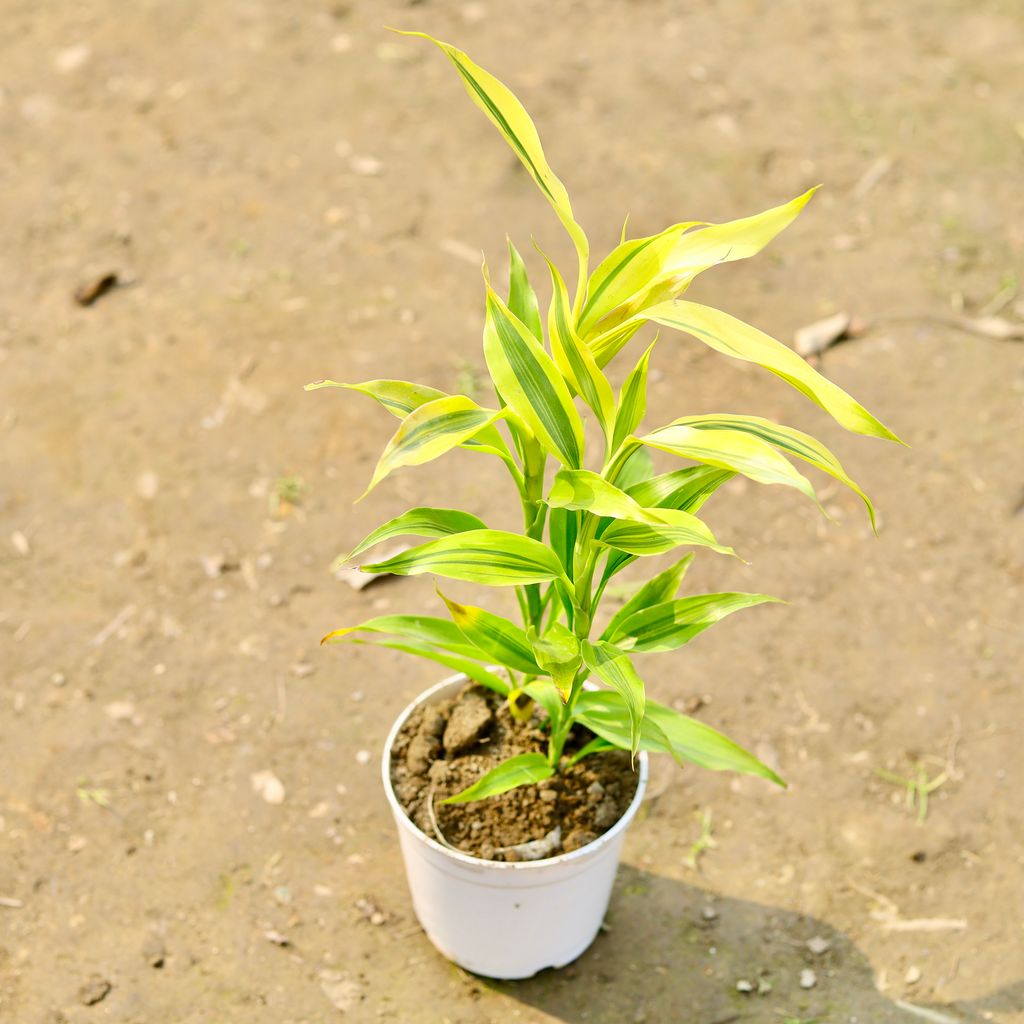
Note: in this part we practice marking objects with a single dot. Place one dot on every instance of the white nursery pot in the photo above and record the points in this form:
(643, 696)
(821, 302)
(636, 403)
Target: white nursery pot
(506, 920)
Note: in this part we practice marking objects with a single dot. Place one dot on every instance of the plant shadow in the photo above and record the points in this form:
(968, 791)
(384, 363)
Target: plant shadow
(673, 953)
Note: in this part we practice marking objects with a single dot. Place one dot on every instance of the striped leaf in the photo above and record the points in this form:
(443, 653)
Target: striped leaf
(558, 654)
(667, 626)
(491, 557)
(613, 667)
(632, 401)
(793, 442)
(522, 299)
(399, 397)
(656, 590)
(563, 527)
(546, 694)
(638, 467)
(731, 450)
(468, 667)
(426, 629)
(735, 338)
(510, 118)
(431, 430)
(521, 770)
(503, 641)
(656, 538)
(687, 489)
(666, 731)
(528, 380)
(586, 491)
(574, 359)
(417, 522)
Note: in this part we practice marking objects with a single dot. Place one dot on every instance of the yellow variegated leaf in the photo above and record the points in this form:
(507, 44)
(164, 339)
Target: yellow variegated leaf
(574, 359)
(582, 489)
(678, 528)
(522, 299)
(509, 116)
(528, 380)
(632, 400)
(502, 640)
(399, 397)
(431, 430)
(613, 667)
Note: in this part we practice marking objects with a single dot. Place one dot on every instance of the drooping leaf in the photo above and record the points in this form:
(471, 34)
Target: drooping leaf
(731, 450)
(613, 667)
(422, 628)
(504, 641)
(671, 624)
(522, 299)
(399, 397)
(656, 590)
(558, 654)
(655, 538)
(793, 442)
(418, 522)
(605, 714)
(473, 669)
(521, 770)
(686, 489)
(530, 383)
(509, 116)
(491, 557)
(574, 359)
(431, 430)
(632, 401)
(590, 492)
(725, 333)
(596, 746)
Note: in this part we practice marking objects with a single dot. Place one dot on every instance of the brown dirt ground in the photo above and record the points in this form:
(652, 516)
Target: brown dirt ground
(216, 156)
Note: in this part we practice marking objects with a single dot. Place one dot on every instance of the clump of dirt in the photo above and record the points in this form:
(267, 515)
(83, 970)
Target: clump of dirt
(442, 748)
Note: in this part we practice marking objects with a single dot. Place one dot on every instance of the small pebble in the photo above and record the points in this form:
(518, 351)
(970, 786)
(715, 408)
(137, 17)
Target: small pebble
(913, 975)
(709, 914)
(363, 756)
(77, 843)
(744, 986)
(147, 485)
(95, 990)
(20, 544)
(267, 785)
(808, 979)
(818, 945)
(72, 58)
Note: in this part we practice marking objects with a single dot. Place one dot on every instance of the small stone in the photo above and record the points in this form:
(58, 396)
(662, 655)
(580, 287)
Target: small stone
(147, 485)
(153, 951)
(709, 914)
(20, 544)
(303, 669)
(274, 936)
(72, 58)
(342, 992)
(95, 990)
(213, 565)
(77, 843)
(58, 679)
(818, 945)
(808, 979)
(120, 710)
(368, 166)
(549, 796)
(595, 793)
(607, 814)
(363, 756)
(744, 986)
(913, 975)
(321, 810)
(764, 986)
(341, 43)
(469, 718)
(267, 785)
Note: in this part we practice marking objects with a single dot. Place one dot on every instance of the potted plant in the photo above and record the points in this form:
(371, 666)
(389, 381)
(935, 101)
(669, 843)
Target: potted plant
(542, 737)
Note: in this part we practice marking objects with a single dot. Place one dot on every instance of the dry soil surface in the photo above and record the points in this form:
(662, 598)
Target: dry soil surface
(191, 823)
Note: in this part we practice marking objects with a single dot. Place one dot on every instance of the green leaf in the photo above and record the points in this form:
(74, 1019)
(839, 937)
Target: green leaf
(563, 527)
(418, 522)
(666, 731)
(595, 746)
(520, 770)
(580, 489)
(671, 624)
(685, 489)
(613, 667)
(558, 654)
(546, 694)
(638, 467)
(509, 116)
(431, 430)
(422, 628)
(491, 557)
(573, 358)
(656, 590)
(731, 450)
(632, 401)
(793, 442)
(726, 334)
(472, 669)
(399, 397)
(522, 299)
(501, 639)
(655, 538)
(528, 380)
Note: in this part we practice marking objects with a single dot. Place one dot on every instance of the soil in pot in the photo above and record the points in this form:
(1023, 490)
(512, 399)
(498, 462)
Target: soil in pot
(442, 748)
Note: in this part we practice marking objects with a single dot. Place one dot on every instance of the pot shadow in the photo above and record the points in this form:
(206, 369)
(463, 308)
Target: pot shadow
(664, 957)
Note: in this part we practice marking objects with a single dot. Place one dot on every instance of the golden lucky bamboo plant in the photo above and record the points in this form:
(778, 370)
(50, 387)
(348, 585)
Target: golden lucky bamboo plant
(591, 522)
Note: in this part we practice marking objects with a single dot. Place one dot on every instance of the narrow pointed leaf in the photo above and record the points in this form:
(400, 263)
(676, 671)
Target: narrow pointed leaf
(574, 359)
(731, 450)
(530, 383)
(656, 590)
(589, 492)
(735, 338)
(793, 442)
(546, 694)
(632, 401)
(491, 557)
(468, 667)
(558, 654)
(605, 714)
(596, 746)
(522, 299)
(422, 628)
(671, 624)
(509, 116)
(638, 468)
(521, 770)
(563, 527)
(399, 397)
(503, 641)
(431, 430)
(686, 489)
(418, 522)
(614, 668)
(656, 538)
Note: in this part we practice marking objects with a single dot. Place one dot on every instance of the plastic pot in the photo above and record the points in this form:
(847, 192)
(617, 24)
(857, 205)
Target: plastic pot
(506, 920)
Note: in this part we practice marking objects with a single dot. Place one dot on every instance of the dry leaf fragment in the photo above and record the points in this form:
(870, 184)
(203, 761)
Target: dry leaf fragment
(813, 339)
(991, 327)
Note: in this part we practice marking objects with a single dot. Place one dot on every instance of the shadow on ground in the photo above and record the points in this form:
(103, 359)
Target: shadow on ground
(672, 953)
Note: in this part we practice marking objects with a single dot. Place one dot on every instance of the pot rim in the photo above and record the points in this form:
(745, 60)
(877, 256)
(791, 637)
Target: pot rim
(583, 853)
